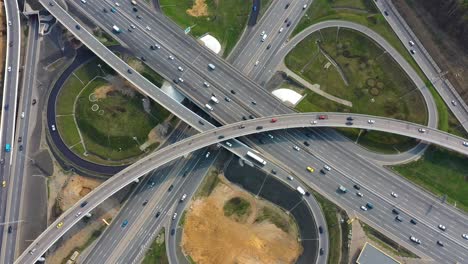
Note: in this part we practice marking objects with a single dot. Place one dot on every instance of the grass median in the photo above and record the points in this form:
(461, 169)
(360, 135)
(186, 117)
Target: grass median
(350, 66)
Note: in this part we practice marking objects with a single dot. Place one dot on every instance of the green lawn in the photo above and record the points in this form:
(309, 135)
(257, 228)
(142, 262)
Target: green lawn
(376, 84)
(109, 132)
(157, 252)
(66, 98)
(225, 21)
(237, 207)
(65, 125)
(441, 172)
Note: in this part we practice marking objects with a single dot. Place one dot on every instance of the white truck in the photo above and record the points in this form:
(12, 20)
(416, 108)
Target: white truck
(209, 107)
(300, 190)
(214, 99)
(116, 29)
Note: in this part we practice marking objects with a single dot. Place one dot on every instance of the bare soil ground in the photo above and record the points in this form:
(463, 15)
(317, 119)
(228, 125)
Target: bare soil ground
(101, 92)
(444, 49)
(211, 237)
(199, 9)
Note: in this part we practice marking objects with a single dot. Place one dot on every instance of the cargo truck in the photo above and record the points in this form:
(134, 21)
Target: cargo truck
(300, 190)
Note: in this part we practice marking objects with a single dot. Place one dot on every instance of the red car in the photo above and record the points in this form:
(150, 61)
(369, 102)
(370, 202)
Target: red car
(322, 117)
(273, 120)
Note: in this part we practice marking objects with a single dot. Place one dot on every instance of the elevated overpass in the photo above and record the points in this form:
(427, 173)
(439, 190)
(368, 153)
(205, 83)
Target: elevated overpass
(181, 148)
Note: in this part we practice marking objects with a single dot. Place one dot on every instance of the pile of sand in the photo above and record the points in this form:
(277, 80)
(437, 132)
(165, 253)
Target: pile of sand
(199, 9)
(75, 188)
(211, 237)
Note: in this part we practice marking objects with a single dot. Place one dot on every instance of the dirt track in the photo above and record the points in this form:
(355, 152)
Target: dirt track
(211, 237)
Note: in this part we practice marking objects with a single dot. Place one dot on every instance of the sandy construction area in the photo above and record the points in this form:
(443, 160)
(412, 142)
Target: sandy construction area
(211, 237)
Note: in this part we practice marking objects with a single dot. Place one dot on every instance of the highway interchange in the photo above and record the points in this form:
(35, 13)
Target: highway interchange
(194, 59)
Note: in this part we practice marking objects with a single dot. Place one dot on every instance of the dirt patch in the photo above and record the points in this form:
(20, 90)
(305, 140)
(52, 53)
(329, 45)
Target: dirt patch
(211, 237)
(199, 9)
(76, 188)
(3, 38)
(101, 92)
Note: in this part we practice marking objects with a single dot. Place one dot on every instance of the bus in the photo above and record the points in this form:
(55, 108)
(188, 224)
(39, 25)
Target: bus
(256, 158)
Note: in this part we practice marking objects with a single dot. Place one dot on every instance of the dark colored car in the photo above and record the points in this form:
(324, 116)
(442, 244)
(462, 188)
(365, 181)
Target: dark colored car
(185, 174)
(385, 12)
(273, 171)
(269, 46)
(244, 118)
(21, 148)
(170, 188)
(201, 122)
(83, 204)
(350, 118)
(78, 27)
(287, 5)
(135, 9)
(399, 218)
(233, 92)
(143, 58)
(323, 171)
(289, 23)
(349, 123)
(286, 20)
(357, 187)
(20, 139)
(124, 223)
(307, 193)
(158, 214)
(10, 229)
(138, 16)
(438, 242)
(413, 221)
(152, 47)
(51, 3)
(104, 10)
(395, 211)
(10, 44)
(220, 137)
(306, 143)
(34, 101)
(129, 71)
(145, 202)
(259, 127)
(251, 117)
(322, 251)
(320, 229)
(172, 231)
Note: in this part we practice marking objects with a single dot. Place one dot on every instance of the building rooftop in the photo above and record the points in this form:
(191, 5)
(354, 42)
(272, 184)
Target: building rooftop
(373, 255)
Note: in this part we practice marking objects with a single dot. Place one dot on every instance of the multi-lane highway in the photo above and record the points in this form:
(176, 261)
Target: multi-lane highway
(20, 154)
(181, 148)
(407, 184)
(9, 109)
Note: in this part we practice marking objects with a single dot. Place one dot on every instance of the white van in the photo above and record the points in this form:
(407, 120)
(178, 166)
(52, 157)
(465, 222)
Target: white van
(209, 107)
(211, 66)
(214, 99)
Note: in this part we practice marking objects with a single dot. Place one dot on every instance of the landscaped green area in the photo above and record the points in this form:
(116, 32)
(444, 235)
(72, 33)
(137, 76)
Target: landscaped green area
(442, 172)
(387, 243)
(365, 75)
(237, 207)
(223, 19)
(157, 252)
(115, 124)
(209, 183)
(111, 117)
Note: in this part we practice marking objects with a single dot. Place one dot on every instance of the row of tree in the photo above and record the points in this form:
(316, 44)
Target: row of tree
(452, 16)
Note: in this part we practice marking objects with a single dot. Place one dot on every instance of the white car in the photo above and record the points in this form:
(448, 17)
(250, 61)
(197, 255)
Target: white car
(78, 214)
(394, 194)
(415, 240)
(296, 148)
(313, 122)
(263, 33)
(9, 22)
(83, 1)
(207, 154)
(370, 121)
(359, 194)
(256, 63)
(327, 167)
(132, 26)
(465, 236)
(280, 30)
(148, 28)
(465, 143)
(422, 130)
(180, 69)
(9, 68)
(53, 127)
(290, 178)
(228, 144)
(411, 43)
(171, 57)
(454, 103)
(206, 84)
(363, 208)
(117, 4)
(442, 227)
(175, 216)
(271, 136)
